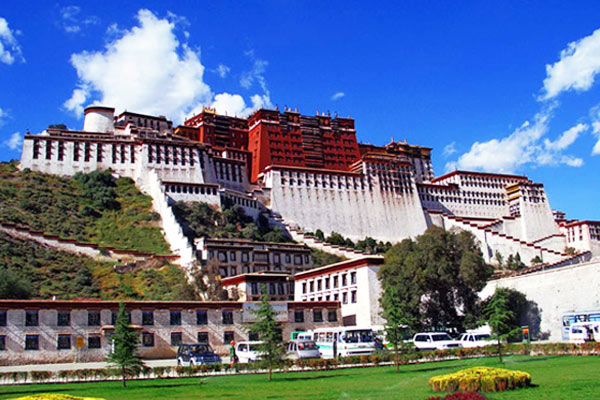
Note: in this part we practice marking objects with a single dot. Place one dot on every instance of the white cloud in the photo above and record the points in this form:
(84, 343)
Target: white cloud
(72, 21)
(523, 146)
(146, 69)
(10, 50)
(256, 74)
(566, 139)
(450, 149)
(3, 115)
(595, 116)
(222, 70)
(337, 96)
(14, 142)
(578, 65)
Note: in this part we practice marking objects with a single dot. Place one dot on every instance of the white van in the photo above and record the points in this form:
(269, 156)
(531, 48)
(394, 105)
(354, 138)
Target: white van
(435, 341)
(475, 339)
(248, 351)
(581, 332)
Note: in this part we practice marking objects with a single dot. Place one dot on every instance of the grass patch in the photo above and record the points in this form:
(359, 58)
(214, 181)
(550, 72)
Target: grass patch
(107, 212)
(552, 378)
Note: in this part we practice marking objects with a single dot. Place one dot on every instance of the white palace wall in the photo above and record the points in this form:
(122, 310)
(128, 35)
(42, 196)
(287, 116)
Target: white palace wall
(556, 291)
(355, 213)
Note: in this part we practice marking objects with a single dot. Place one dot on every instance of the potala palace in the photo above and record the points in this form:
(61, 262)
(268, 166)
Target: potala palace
(309, 173)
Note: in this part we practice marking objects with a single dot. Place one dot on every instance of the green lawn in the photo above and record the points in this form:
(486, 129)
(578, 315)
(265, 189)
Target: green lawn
(552, 377)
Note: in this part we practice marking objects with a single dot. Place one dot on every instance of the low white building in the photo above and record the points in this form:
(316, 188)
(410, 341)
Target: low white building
(353, 283)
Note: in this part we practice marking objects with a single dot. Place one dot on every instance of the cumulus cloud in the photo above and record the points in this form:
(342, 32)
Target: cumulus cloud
(337, 96)
(148, 70)
(72, 21)
(450, 149)
(578, 66)
(14, 142)
(523, 146)
(10, 50)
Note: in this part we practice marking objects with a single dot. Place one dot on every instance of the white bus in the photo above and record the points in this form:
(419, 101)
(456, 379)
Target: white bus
(343, 341)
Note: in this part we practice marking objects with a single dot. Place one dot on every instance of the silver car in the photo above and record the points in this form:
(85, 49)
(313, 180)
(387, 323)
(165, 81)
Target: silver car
(301, 349)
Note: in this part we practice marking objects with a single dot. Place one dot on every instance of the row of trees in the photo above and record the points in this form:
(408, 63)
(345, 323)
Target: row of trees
(432, 283)
(368, 244)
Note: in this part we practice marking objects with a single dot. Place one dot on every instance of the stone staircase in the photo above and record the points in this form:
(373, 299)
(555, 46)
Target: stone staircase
(501, 242)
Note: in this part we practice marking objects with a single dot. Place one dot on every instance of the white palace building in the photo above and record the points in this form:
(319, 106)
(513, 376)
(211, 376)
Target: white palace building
(310, 173)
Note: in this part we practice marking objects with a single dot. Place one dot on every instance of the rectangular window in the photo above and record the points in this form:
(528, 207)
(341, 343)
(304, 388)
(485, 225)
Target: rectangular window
(147, 317)
(93, 318)
(75, 151)
(176, 338)
(254, 288)
(288, 259)
(2, 342)
(63, 318)
(48, 149)
(345, 298)
(245, 257)
(203, 337)
(332, 315)
(86, 152)
(353, 278)
(297, 260)
(311, 285)
(272, 289)
(175, 318)
(32, 318)
(63, 342)
(319, 285)
(232, 256)
(114, 153)
(344, 280)
(148, 339)
(32, 342)
(228, 337)
(227, 317)
(335, 281)
(122, 154)
(99, 152)
(201, 317)
(2, 318)
(326, 283)
(353, 296)
(94, 342)
(61, 151)
(306, 259)
(298, 316)
(132, 153)
(114, 314)
(303, 287)
(36, 149)
(317, 315)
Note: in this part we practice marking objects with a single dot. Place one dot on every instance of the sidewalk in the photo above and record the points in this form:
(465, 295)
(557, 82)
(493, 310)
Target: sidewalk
(81, 365)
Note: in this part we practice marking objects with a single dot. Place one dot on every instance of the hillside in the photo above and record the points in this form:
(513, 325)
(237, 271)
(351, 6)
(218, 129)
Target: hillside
(28, 269)
(94, 208)
(200, 219)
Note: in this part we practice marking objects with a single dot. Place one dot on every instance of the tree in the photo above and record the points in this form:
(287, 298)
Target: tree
(438, 274)
(499, 316)
(269, 332)
(208, 280)
(13, 285)
(537, 260)
(124, 353)
(396, 319)
(570, 251)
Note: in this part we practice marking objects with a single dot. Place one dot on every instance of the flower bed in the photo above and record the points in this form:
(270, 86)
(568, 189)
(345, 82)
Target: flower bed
(48, 396)
(483, 379)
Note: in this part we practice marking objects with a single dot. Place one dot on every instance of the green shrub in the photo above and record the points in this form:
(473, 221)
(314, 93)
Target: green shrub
(483, 379)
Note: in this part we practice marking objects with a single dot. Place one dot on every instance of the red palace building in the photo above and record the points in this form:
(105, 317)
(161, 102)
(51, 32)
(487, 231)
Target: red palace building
(287, 138)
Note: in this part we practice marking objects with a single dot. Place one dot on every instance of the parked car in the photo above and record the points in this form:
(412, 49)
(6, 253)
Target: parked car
(300, 349)
(434, 341)
(196, 354)
(581, 332)
(475, 339)
(248, 351)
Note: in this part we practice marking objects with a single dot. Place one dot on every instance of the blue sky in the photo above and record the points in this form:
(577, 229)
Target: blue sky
(507, 87)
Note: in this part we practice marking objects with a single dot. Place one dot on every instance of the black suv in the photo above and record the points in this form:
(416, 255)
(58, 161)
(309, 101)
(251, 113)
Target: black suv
(196, 354)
